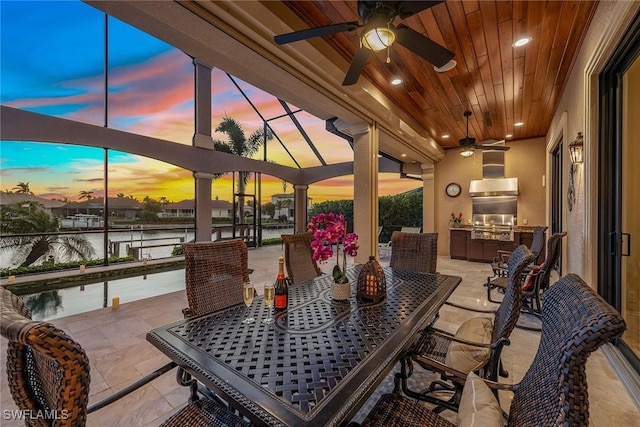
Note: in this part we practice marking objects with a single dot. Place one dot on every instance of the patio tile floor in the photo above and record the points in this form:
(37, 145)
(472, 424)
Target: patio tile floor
(119, 353)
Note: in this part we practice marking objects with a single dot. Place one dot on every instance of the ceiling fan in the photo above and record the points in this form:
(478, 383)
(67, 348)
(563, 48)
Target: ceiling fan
(468, 144)
(379, 33)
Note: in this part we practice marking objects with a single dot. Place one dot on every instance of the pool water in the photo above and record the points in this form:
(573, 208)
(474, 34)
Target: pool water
(59, 303)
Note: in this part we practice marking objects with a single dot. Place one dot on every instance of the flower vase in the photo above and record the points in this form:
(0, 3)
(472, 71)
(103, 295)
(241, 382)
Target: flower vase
(340, 291)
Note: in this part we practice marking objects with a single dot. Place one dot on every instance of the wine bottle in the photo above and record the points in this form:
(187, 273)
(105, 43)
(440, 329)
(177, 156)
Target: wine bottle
(281, 288)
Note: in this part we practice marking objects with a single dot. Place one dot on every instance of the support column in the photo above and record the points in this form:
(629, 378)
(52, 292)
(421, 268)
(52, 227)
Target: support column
(365, 191)
(429, 208)
(203, 206)
(300, 207)
(202, 136)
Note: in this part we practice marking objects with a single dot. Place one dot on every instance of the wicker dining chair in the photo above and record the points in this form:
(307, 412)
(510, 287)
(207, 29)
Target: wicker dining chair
(537, 280)
(499, 262)
(298, 258)
(414, 251)
(48, 373)
(576, 321)
(475, 347)
(214, 274)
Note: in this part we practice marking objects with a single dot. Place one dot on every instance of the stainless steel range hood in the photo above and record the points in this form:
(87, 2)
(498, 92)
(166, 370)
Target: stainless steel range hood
(494, 187)
(493, 183)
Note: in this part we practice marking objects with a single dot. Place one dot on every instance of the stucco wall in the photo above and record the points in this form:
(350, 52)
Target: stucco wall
(525, 161)
(579, 101)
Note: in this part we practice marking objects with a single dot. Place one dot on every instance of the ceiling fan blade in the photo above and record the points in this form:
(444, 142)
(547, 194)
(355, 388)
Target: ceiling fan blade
(358, 63)
(494, 147)
(408, 8)
(315, 32)
(423, 46)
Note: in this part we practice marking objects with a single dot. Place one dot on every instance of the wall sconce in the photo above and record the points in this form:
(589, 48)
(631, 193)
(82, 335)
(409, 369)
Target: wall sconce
(576, 153)
(576, 149)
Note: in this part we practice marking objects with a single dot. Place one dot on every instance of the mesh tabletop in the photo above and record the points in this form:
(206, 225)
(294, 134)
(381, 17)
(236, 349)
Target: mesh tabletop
(319, 360)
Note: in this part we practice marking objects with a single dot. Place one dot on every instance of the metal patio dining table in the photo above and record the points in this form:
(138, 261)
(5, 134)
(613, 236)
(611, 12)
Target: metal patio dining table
(320, 359)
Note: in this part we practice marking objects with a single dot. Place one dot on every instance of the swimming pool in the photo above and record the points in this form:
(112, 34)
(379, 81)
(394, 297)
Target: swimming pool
(58, 303)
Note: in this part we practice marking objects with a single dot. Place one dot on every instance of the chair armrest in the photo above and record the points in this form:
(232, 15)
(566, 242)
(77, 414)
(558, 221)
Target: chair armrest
(499, 386)
(452, 304)
(444, 334)
(501, 256)
(131, 388)
(436, 331)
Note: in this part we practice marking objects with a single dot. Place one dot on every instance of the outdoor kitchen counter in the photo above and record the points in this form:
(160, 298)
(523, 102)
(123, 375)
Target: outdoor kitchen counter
(462, 246)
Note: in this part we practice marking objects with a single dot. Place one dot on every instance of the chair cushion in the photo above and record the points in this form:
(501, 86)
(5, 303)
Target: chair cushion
(468, 358)
(478, 405)
(528, 284)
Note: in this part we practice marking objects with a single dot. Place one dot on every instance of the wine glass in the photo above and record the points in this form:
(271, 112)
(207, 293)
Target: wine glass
(247, 295)
(269, 293)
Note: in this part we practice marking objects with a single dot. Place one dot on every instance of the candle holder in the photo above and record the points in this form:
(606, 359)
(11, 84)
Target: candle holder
(372, 284)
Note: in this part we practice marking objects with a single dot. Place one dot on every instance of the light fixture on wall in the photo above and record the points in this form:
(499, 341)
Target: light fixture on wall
(576, 149)
(576, 153)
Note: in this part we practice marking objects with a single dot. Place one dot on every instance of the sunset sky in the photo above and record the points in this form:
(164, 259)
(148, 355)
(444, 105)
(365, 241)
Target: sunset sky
(52, 62)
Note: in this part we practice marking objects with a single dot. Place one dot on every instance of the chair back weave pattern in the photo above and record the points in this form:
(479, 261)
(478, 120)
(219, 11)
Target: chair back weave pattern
(414, 251)
(553, 254)
(47, 370)
(298, 257)
(537, 244)
(214, 274)
(575, 322)
(508, 312)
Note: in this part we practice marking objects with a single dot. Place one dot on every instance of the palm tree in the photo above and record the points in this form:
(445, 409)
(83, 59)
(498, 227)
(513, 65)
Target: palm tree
(22, 218)
(22, 188)
(239, 145)
(85, 195)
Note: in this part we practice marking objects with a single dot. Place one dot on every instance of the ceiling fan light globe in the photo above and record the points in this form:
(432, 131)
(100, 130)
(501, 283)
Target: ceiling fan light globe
(467, 152)
(378, 38)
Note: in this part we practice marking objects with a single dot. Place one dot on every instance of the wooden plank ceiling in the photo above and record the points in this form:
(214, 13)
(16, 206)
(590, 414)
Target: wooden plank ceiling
(500, 84)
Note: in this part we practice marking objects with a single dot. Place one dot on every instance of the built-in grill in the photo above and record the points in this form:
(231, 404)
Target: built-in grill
(494, 200)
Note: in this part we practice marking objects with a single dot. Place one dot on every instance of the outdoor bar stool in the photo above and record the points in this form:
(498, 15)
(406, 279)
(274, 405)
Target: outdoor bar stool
(414, 251)
(475, 347)
(576, 321)
(298, 257)
(48, 373)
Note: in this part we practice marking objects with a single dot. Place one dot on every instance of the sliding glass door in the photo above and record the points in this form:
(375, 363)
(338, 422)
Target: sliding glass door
(619, 188)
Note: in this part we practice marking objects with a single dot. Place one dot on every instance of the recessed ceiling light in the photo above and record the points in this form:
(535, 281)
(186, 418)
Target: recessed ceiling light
(403, 155)
(521, 42)
(396, 81)
(446, 67)
(445, 136)
(508, 135)
(518, 123)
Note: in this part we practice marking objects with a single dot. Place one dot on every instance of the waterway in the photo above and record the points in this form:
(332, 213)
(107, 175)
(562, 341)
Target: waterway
(155, 244)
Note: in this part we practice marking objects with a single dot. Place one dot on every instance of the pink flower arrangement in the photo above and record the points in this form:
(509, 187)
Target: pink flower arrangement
(331, 229)
(456, 221)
